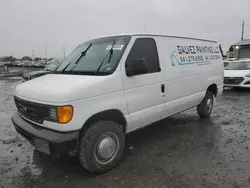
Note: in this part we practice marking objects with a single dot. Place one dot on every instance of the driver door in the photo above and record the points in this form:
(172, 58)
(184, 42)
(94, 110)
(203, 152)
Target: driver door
(144, 92)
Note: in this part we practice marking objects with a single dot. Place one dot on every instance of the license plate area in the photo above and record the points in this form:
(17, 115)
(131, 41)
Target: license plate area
(42, 145)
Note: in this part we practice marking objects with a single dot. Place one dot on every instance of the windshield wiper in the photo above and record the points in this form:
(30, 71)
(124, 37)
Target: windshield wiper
(82, 54)
(110, 53)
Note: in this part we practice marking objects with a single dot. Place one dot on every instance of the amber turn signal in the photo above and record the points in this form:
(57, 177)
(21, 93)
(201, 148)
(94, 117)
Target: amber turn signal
(64, 114)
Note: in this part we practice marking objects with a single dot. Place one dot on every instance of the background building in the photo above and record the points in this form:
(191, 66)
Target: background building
(240, 49)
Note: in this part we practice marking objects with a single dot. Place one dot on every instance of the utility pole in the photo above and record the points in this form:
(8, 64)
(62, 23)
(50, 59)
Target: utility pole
(242, 30)
(63, 51)
(46, 46)
(33, 54)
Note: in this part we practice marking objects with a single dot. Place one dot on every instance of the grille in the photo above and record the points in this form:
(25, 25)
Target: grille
(233, 80)
(32, 111)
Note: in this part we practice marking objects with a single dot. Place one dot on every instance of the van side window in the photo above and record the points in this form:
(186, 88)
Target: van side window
(145, 48)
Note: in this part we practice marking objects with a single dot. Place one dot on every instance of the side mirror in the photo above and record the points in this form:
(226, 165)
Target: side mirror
(136, 67)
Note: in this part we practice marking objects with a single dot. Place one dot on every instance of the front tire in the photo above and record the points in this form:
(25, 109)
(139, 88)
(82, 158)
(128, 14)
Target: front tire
(101, 147)
(205, 108)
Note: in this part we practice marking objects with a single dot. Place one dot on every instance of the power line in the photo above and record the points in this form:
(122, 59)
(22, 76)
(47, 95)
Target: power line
(64, 52)
(33, 54)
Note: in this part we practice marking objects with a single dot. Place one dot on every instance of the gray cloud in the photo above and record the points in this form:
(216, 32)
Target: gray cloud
(24, 23)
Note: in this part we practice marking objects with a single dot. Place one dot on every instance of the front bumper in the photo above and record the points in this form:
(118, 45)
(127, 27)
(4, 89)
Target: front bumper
(45, 140)
(242, 86)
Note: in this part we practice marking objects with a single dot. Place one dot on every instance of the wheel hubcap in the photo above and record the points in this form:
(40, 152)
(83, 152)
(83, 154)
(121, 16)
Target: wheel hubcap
(209, 104)
(106, 148)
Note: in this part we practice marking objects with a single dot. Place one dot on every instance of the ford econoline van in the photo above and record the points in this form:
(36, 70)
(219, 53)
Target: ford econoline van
(113, 85)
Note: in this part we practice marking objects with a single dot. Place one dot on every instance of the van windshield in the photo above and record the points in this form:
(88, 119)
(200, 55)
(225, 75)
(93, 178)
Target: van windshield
(95, 57)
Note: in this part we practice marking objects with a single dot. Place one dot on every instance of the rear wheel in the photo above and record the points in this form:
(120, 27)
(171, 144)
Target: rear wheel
(101, 146)
(205, 108)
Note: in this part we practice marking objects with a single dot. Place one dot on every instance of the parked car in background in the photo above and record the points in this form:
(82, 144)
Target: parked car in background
(34, 74)
(36, 64)
(237, 74)
(26, 63)
(45, 63)
(16, 63)
(228, 61)
(21, 63)
(40, 64)
(31, 64)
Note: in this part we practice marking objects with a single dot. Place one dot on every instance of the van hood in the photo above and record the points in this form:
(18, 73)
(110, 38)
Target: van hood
(58, 88)
(236, 73)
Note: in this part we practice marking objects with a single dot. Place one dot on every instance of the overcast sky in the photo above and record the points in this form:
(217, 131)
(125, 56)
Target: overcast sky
(70, 22)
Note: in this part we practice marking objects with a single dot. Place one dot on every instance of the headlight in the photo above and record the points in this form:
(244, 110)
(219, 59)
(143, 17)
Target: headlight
(61, 114)
(53, 114)
(248, 75)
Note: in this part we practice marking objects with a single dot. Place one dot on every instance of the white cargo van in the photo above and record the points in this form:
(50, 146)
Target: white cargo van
(113, 85)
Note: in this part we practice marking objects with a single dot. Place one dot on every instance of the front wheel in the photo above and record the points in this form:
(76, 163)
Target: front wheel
(205, 108)
(101, 146)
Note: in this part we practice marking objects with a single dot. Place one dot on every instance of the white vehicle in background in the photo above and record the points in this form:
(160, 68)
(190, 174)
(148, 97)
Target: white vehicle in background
(22, 63)
(228, 61)
(25, 63)
(110, 86)
(237, 74)
(31, 64)
(16, 63)
(19, 64)
(37, 64)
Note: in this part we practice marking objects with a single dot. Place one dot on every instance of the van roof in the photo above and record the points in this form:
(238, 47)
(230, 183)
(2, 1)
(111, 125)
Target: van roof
(158, 35)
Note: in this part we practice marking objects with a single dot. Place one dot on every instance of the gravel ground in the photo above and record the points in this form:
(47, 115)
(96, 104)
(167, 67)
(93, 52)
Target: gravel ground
(180, 151)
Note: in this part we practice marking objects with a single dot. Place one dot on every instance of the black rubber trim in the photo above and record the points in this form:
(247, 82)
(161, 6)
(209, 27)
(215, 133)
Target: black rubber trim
(60, 142)
(172, 36)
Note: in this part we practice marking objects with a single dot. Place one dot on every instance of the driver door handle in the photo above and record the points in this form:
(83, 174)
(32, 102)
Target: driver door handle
(163, 88)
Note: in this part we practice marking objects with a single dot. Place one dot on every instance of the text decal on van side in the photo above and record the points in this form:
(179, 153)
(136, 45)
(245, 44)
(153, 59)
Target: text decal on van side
(184, 55)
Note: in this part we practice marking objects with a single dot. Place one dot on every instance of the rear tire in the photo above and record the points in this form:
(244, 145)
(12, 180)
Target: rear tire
(101, 147)
(205, 108)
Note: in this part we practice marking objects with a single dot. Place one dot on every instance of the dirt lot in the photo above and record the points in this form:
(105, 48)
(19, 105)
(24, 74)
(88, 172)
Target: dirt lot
(181, 151)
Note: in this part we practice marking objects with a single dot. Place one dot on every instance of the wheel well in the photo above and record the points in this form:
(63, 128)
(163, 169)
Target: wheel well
(213, 89)
(111, 115)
